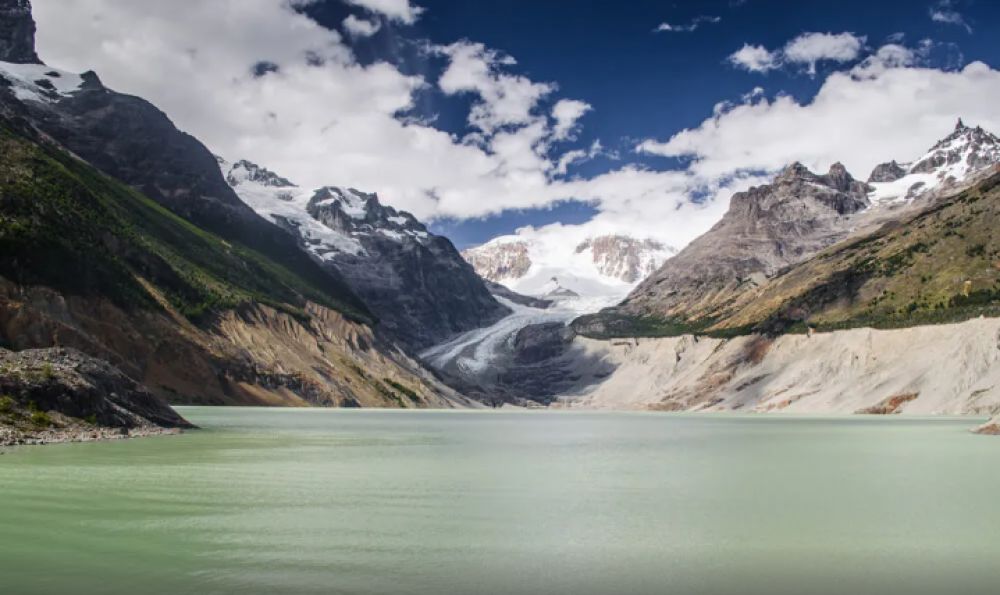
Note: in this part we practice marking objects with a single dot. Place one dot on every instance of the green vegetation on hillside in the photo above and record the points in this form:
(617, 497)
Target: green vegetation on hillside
(67, 226)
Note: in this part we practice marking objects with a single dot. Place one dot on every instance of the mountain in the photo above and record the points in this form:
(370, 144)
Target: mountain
(131, 140)
(120, 237)
(773, 227)
(607, 265)
(951, 162)
(92, 264)
(415, 282)
(901, 319)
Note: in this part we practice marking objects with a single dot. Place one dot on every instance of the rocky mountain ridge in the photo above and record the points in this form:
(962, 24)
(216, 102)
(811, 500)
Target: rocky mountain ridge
(415, 282)
(772, 227)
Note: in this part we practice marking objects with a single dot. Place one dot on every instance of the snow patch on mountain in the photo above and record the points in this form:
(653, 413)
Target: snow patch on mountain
(952, 162)
(286, 205)
(38, 82)
(281, 201)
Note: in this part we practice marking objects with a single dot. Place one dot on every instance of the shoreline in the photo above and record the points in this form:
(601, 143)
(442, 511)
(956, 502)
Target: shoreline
(10, 437)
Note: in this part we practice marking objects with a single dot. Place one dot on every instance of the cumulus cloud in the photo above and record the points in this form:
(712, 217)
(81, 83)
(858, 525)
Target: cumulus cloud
(356, 27)
(397, 10)
(880, 110)
(807, 49)
(504, 99)
(755, 58)
(566, 114)
(696, 22)
(810, 48)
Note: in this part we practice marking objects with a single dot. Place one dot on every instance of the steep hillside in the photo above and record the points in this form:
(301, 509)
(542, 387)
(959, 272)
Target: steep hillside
(416, 282)
(90, 263)
(940, 265)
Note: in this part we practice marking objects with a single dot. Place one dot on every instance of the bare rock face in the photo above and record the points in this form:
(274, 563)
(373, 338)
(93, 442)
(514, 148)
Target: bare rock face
(887, 172)
(766, 228)
(625, 258)
(17, 32)
(501, 261)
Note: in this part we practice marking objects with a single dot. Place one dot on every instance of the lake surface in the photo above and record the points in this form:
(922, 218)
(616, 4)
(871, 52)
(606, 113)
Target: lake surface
(342, 501)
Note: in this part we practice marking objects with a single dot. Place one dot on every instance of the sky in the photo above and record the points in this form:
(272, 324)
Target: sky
(555, 120)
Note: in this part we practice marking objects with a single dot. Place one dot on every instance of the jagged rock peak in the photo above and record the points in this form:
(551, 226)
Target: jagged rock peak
(793, 172)
(837, 178)
(975, 147)
(247, 171)
(17, 32)
(887, 172)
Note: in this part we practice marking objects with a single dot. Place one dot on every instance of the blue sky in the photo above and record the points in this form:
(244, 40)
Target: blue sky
(560, 119)
(645, 84)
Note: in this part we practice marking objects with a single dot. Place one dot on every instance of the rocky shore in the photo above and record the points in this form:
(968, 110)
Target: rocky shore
(62, 395)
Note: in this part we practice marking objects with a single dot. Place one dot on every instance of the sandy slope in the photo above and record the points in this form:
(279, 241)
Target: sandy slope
(946, 369)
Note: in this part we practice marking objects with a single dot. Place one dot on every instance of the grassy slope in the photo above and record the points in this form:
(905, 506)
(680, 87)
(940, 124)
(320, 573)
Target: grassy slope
(940, 265)
(69, 227)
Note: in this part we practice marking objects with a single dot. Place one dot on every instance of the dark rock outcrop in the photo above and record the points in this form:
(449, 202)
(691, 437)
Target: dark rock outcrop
(81, 387)
(17, 32)
(887, 172)
(523, 300)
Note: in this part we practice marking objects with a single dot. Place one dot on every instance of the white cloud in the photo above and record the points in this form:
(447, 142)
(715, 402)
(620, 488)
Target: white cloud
(396, 10)
(693, 25)
(578, 155)
(807, 49)
(871, 114)
(810, 48)
(566, 114)
(755, 58)
(360, 27)
(505, 99)
(944, 12)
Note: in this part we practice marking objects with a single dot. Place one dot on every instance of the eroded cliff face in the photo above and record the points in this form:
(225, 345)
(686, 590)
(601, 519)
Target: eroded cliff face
(254, 355)
(942, 369)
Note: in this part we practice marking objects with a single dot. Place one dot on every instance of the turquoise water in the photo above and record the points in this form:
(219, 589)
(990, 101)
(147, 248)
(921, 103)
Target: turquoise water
(340, 501)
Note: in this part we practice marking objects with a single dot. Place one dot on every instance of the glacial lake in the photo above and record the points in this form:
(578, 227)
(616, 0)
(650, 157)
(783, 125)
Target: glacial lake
(439, 503)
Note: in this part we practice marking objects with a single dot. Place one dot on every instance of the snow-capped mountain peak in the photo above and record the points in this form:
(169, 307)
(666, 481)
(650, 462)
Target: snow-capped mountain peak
(604, 265)
(415, 282)
(244, 171)
(954, 161)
